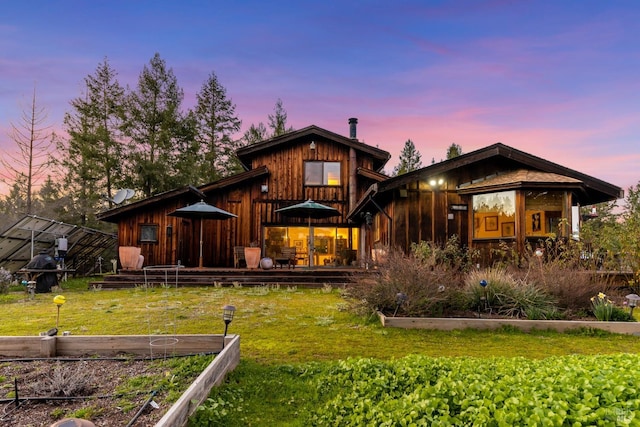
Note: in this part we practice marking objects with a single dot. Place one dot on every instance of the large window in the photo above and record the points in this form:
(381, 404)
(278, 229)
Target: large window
(322, 173)
(330, 246)
(543, 211)
(494, 215)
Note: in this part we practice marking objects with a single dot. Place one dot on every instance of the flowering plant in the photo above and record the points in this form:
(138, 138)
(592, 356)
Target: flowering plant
(602, 307)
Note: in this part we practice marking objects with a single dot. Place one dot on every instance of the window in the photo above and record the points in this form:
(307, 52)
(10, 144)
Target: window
(322, 173)
(149, 233)
(543, 212)
(494, 215)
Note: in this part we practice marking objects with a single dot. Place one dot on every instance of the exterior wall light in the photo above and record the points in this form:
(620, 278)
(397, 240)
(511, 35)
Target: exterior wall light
(312, 146)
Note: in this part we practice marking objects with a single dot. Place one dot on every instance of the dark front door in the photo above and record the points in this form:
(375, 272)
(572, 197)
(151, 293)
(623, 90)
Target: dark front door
(187, 244)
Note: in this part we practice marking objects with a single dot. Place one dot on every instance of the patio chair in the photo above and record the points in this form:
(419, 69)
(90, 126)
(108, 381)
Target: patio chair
(287, 256)
(238, 256)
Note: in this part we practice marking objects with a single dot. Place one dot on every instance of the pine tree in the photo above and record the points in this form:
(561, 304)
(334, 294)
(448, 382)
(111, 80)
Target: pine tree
(410, 159)
(454, 150)
(277, 125)
(216, 122)
(158, 134)
(53, 203)
(255, 134)
(94, 150)
(278, 120)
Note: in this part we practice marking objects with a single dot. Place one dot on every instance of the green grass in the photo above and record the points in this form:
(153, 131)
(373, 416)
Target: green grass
(282, 330)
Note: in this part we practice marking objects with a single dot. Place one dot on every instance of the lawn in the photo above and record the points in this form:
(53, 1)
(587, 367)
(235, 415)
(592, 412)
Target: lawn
(284, 331)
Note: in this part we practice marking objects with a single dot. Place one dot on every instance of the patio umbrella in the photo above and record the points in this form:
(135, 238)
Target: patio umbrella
(202, 211)
(309, 209)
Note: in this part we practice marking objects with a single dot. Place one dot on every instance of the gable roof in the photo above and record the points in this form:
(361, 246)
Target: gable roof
(526, 170)
(113, 215)
(247, 153)
(598, 190)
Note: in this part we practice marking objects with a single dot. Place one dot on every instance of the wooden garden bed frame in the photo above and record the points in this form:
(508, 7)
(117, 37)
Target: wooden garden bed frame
(227, 358)
(450, 324)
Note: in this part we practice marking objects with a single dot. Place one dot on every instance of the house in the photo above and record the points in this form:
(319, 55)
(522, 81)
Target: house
(310, 163)
(492, 195)
(487, 197)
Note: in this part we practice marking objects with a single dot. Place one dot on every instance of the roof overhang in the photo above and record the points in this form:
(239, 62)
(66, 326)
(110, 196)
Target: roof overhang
(199, 193)
(246, 153)
(520, 179)
(526, 171)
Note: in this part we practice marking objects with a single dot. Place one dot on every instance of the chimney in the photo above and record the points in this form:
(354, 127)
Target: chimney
(353, 122)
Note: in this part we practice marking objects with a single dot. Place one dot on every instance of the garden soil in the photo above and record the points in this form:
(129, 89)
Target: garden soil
(92, 383)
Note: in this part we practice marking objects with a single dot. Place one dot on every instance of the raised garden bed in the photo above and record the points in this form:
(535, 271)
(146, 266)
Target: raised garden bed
(43, 349)
(449, 324)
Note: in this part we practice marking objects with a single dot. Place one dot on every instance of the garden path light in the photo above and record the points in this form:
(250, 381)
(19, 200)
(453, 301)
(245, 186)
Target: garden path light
(227, 315)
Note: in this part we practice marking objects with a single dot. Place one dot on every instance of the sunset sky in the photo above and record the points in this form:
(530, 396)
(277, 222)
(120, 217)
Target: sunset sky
(557, 79)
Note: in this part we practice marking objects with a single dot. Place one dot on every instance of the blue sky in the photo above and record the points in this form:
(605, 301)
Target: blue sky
(557, 79)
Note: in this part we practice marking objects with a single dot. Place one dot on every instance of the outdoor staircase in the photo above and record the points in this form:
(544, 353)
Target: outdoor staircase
(184, 277)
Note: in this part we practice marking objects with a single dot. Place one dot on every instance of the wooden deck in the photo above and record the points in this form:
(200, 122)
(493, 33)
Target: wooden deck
(183, 277)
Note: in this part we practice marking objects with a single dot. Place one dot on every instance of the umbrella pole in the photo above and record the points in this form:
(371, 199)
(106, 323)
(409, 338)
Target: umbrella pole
(310, 243)
(200, 263)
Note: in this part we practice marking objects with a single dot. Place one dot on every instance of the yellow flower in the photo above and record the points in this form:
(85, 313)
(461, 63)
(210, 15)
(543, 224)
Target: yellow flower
(601, 295)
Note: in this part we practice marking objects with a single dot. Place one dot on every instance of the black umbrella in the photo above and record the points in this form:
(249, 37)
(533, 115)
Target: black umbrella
(202, 211)
(309, 209)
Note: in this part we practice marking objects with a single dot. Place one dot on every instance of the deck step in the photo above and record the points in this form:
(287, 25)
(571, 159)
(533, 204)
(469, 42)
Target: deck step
(311, 278)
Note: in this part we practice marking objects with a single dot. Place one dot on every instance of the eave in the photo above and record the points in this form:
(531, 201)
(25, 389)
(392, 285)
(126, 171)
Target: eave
(373, 175)
(246, 153)
(113, 215)
(199, 193)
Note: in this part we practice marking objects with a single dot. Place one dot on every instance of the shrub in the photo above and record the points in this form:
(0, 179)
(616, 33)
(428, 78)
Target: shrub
(5, 280)
(570, 285)
(508, 296)
(451, 256)
(428, 289)
(65, 380)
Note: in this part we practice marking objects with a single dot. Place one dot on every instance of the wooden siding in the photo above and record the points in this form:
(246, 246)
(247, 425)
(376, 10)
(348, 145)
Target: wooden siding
(421, 213)
(286, 182)
(178, 238)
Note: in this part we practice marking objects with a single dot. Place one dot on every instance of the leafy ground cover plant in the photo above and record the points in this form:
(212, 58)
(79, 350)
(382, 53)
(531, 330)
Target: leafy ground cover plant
(430, 391)
(569, 390)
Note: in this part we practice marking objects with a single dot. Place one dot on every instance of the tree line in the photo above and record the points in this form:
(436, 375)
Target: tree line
(119, 137)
